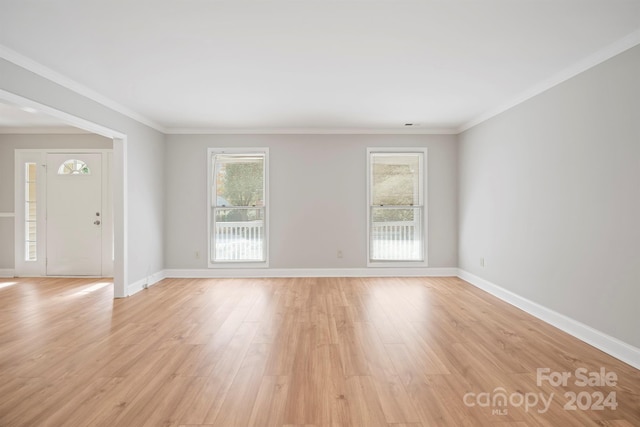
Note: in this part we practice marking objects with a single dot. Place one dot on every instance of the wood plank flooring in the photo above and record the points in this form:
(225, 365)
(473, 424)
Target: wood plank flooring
(314, 352)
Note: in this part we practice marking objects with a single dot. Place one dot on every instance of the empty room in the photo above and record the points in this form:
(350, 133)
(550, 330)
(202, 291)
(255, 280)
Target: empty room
(405, 213)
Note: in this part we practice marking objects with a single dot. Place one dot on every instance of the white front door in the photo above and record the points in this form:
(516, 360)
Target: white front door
(74, 214)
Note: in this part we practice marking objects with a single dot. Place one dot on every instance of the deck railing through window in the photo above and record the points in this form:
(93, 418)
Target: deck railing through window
(396, 240)
(241, 240)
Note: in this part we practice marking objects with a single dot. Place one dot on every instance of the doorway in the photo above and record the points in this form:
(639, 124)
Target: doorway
(74, 214)
(64, 215)
(117, 194)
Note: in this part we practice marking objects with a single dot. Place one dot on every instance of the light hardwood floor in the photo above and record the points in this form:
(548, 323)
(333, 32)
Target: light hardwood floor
(402, 352)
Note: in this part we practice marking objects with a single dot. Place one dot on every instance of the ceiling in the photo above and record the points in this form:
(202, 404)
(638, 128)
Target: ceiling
(12, 115)
(190, 65)
(17, 119)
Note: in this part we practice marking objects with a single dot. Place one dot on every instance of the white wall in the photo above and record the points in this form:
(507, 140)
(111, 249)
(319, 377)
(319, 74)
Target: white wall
(317, 196)
(144, 156)
(550, 197)
(8, 144)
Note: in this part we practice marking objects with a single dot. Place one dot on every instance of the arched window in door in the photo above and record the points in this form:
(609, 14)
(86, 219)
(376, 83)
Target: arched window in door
(73, 167)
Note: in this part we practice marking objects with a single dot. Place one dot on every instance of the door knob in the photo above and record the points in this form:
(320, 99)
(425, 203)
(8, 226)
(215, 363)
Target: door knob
(96, 222)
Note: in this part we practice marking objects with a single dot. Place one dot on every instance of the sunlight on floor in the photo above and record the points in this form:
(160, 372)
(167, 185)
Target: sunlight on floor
(7, 284)
(92, 288)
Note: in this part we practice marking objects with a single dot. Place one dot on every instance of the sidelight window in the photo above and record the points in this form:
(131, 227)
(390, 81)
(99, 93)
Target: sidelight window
(30, 210)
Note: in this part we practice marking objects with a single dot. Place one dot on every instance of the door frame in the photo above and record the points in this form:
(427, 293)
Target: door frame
(118, 182)
(39, 156)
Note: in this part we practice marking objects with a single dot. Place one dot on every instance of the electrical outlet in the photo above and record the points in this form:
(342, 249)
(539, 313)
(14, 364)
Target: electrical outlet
(339, 253)
(481, 262)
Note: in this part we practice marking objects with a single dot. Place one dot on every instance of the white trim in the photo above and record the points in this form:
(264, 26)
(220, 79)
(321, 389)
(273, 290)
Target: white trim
(7, 214)
(590, 61)
(312, 131)
(7, 272)
(107, 214)
(145, 282)
(310, 272)
(610, 345)
(54, 276)
(49, 74)
(42, 130)
(65, 150)
(120, 205)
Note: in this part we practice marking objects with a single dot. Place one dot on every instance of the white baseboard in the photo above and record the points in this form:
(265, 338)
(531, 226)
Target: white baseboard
(145, 282)
(310, 272)
(610, 345)
(7, 272)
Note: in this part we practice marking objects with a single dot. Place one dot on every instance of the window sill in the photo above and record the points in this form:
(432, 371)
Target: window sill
(239, 264)
(409, 264)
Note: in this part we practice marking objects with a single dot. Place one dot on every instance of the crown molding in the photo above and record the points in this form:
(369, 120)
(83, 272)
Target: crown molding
(49, 74)
(311, 131)
(48, 130)
(590, 61)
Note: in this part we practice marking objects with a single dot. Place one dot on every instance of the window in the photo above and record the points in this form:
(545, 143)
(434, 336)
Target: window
(30, 218)
(396, 214)
(238, 207)
(73, 167)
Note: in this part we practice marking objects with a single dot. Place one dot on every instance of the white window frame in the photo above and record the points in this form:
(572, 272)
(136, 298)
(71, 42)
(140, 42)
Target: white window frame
(24, 267)
(210, 191)
(423, 197)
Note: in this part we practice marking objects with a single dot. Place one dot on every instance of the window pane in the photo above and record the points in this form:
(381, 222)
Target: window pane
(396, 234)
(31, 231)
(31, 172)
(31, 251)
(73, 167)
(396, 205)
(238, 234)
(239, 180)
(395, 179)
(238, 207)
(30, 212)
